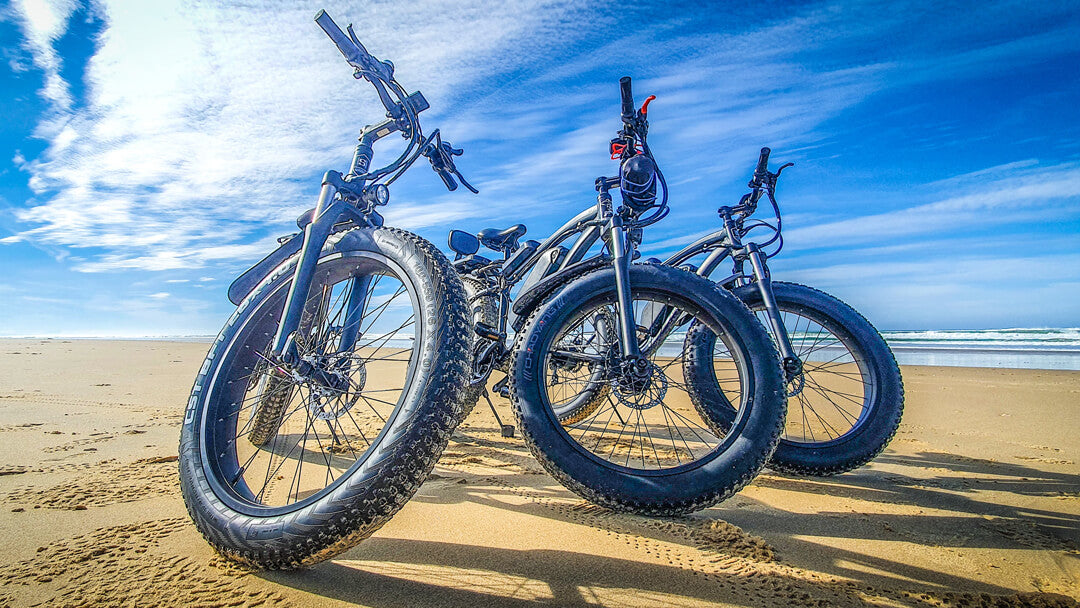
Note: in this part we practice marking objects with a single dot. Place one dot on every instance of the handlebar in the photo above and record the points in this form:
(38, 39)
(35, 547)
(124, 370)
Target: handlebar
(351, 52)
(401, 108)
(447, 179)
(379, 73)
(627, 99)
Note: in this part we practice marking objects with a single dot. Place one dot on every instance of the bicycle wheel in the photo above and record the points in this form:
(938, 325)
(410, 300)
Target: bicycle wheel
(844, 406)
(593, 389)
(645, 449)
(483, 308)
(354, 430)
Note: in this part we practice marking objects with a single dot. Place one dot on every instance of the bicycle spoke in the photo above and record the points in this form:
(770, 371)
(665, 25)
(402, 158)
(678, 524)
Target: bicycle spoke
(275, 420)
(654, 430)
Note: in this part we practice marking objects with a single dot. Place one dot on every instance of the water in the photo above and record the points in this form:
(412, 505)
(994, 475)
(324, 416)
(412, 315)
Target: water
(1035, 348)
(1024, 348)
(1031, 348)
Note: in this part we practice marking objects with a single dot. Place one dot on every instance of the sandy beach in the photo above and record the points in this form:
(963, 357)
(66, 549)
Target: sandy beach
(975, 503)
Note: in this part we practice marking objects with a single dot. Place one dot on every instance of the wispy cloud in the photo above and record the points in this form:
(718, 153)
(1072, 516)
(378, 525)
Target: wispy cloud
(201, 129)
(997, 195)
(43, 22)
(199, 121)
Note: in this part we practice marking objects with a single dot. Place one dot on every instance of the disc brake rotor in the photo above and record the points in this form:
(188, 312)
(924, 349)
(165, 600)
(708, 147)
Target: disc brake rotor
(329, 404)
(795, 385)
(641, 393)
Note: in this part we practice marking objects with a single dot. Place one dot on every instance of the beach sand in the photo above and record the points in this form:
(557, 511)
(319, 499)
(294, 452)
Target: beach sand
(975, 503)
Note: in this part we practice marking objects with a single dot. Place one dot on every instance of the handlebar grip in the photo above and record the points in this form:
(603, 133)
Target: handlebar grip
(627, 97)
(344, 44)
(763, 162)
(447, 179)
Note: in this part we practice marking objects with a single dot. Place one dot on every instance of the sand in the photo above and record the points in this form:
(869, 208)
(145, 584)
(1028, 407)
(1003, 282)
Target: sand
(976, 503)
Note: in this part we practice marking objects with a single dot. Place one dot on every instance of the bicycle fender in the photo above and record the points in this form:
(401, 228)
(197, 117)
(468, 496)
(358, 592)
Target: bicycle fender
(242, 286)
(530, 299)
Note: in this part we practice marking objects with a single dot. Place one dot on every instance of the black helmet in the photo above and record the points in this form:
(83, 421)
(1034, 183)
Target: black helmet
(638, 183)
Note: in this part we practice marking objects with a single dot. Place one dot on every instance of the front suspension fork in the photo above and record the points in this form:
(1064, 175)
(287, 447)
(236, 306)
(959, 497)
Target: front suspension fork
(621, 257)
(791, 362)
(328, 212)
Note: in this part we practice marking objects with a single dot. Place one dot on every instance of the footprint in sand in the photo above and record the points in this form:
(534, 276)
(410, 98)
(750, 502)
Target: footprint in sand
(79, 444)
(108, 483)
(127, 565)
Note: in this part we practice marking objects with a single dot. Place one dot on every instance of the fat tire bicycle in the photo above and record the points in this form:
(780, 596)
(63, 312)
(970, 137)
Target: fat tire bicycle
(332, 390)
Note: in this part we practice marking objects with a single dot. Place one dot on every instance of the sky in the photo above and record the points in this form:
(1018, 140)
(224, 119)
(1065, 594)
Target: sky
(151, 151)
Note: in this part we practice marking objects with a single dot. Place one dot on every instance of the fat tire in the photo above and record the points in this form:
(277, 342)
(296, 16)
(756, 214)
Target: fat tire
(714, 478)
(851, 450)
(394, 467)
(482, 309)
(271, 410)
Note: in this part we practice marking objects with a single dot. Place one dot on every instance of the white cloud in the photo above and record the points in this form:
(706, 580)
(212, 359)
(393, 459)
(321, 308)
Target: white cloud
(43, 22)
(1001, 195)
(199, 119)
(201, 127)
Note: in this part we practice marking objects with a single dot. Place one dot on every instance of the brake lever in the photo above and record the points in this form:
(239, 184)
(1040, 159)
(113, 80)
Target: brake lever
(448, 152)
(384, 69)
(461, 178)
(445, 164)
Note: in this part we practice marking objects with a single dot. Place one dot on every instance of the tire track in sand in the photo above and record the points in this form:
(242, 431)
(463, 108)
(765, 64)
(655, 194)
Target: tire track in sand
(740, 563)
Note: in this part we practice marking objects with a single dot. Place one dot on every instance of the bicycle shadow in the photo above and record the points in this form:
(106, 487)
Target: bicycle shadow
(389, 572)
(960, 485)
(954, 497)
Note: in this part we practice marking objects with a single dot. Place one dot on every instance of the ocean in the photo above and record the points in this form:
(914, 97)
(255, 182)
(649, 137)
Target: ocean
(1026, 348)
(1022, 348)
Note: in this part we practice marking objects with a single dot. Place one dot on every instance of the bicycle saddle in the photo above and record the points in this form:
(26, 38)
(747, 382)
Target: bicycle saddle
(501, 240)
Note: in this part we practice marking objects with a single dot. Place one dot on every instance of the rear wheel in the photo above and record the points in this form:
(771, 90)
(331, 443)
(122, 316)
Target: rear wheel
(347, 436)
(845, 404)
(483, 308)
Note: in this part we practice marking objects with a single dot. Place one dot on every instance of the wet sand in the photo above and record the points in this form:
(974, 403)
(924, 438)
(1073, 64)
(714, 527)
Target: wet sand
(977, 502)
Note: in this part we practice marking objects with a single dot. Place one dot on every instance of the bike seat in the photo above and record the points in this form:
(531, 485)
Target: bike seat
(501, 240)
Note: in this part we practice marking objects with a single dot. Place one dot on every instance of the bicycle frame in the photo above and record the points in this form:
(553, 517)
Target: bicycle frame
(718, 247)
(726, 243)
(588, 226)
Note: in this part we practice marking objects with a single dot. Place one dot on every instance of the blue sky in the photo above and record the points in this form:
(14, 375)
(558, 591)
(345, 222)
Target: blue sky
(150, 151)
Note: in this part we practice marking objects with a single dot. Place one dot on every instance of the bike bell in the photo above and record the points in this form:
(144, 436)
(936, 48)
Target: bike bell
(638, 182)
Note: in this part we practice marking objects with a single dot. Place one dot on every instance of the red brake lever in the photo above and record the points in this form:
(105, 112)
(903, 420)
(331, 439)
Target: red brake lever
(645, 106)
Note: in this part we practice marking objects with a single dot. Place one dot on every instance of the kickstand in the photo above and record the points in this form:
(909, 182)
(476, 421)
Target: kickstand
(506, 429)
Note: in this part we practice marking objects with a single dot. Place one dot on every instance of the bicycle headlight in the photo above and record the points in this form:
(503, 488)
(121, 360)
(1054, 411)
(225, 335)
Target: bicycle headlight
(376, 195)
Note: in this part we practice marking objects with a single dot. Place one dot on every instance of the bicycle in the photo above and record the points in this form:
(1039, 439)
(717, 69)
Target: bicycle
(859, 362)
(845, 385)
(593, 344)
(332, 390)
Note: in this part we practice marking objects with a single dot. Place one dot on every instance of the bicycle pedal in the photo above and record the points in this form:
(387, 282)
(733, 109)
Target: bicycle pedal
(508, 431)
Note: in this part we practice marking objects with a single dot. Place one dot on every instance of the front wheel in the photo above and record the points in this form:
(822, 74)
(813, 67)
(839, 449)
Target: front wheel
(644, 449)
(283, 466)
(844, 405)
